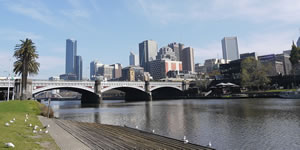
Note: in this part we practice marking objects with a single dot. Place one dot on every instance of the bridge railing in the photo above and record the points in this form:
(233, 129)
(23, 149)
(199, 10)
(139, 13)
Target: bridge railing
(5, 83)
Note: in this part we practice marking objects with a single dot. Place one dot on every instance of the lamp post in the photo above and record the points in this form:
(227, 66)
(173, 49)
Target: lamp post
(8, 87)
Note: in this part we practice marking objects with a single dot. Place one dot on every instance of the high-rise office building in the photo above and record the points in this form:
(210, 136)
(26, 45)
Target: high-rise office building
(298, 42)
(93, 69)
(71, 52)
(159, 68)
(177, 47)
(147, 53)
(78, 67)
(117, 71)
(166, 53)
(230, 48)
(187, 56)
(133, 59)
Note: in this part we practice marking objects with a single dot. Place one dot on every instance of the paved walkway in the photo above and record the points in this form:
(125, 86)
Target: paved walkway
(63, 139)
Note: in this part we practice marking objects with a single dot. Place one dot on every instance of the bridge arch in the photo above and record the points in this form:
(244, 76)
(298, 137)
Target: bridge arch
(165, 86)
(132, 93)
(87, 94)
(166, 92)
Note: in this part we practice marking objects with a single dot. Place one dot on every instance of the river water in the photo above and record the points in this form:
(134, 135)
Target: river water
(228, 124)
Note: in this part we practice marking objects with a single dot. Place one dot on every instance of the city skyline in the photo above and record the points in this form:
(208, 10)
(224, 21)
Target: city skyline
(97, 26)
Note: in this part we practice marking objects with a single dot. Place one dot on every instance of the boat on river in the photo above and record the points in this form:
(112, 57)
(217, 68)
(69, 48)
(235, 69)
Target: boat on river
(290, 94)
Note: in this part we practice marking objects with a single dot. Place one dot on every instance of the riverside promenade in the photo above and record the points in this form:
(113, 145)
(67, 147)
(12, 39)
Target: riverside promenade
(81, 135)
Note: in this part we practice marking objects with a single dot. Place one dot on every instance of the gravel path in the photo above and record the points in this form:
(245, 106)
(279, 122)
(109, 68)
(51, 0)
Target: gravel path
(63, 139)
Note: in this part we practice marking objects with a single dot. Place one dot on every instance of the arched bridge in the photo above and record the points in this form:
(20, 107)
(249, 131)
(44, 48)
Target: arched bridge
(92, 90)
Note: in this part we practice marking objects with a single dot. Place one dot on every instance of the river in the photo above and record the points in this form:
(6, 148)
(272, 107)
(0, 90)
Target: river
(227, 124)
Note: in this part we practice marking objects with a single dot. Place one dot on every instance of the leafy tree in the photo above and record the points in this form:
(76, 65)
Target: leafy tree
(25, 64)
(253, 74)
(295, 57)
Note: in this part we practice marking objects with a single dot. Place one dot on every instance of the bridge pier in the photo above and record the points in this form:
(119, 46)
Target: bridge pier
(23, 94)
(148, 91)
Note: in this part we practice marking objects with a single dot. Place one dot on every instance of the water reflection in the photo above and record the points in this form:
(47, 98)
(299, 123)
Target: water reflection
(228, 124)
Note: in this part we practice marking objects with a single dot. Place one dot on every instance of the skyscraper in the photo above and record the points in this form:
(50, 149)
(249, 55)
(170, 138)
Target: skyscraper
(147, 53)
(133, 59)
(298, 42)
(78, 67)
(177, 47)
(166, 53)
(230, 48)
(71, 52)
(187, 58)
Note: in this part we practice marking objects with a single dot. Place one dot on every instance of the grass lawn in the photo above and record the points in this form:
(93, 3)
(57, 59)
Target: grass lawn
(19, 132)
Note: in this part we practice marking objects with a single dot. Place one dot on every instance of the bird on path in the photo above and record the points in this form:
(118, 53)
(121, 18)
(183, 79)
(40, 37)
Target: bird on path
(209, 144)
(46, 131)
(185, 140)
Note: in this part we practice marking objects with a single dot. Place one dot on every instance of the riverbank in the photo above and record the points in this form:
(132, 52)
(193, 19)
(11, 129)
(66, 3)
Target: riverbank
(19, 133)
(100, 136)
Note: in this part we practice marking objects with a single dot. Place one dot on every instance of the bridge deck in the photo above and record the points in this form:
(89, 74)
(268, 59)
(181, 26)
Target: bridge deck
(99, 136)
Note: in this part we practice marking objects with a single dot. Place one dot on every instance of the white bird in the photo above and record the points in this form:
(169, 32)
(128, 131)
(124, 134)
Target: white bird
(40, 130)
(8, 145)
(136, 127)
(25, 120)
(209, 144)
(186, 141)
(35, 127)
(34, 131)
(46, 131)
(7, 124)
(153, 131)
(184, 137)
(11, 121)
(30, 125)
(14, 119)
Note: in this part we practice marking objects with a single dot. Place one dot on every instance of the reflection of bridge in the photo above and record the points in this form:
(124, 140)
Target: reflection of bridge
(92, 90)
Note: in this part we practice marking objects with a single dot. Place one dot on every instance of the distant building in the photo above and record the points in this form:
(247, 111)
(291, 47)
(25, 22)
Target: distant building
(177, 47)
(133, 59)
(166, 53)
(105, 71)
(187, 56)
(93, 69)
(78, 67)
(274, 67)
(245, 55)
(231, 70)
(117, 71)
(199, 68)
(230, 48)
(71, 52)
(298, 42)
(147, 53)
(160, 68)
(287, 65)
(133, 73)
(54, 78)
(213, 64)
(68, 76)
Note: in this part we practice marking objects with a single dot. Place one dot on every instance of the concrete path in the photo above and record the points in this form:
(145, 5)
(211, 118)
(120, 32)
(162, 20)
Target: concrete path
(63, 139)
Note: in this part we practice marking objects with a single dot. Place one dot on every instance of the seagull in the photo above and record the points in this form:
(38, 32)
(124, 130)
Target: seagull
(153, 131)
(136, 127)
(185, 140)
(7, 124)
(25, 120)
(209, 144)
(35, 127)
(14, 119)
(46, 131)
(30, 125)
(11, 121)
(41, 130)
(34, 131)
(8, 145)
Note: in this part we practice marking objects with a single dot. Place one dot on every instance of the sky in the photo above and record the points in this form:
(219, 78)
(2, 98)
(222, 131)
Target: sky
(107, 30)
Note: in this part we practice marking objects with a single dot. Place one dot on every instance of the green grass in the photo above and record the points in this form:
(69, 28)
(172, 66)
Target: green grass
(281, 90)
(19, 133)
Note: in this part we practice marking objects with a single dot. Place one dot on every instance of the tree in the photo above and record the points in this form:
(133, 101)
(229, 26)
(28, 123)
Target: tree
(253, 74)
(25, 64)
(295, 57)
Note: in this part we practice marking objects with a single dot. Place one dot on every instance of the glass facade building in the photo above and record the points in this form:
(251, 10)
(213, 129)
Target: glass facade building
(71, 52)
(230, 48)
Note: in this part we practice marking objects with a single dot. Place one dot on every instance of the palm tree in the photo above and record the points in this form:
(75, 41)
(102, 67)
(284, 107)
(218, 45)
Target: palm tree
(26, 64)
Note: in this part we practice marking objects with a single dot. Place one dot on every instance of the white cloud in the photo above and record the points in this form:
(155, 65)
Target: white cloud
(166, 11)
(34, 9)
(12, 34)
(77, 10)
(6, 63)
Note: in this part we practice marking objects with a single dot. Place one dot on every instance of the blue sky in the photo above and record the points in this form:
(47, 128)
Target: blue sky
(108, 30)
